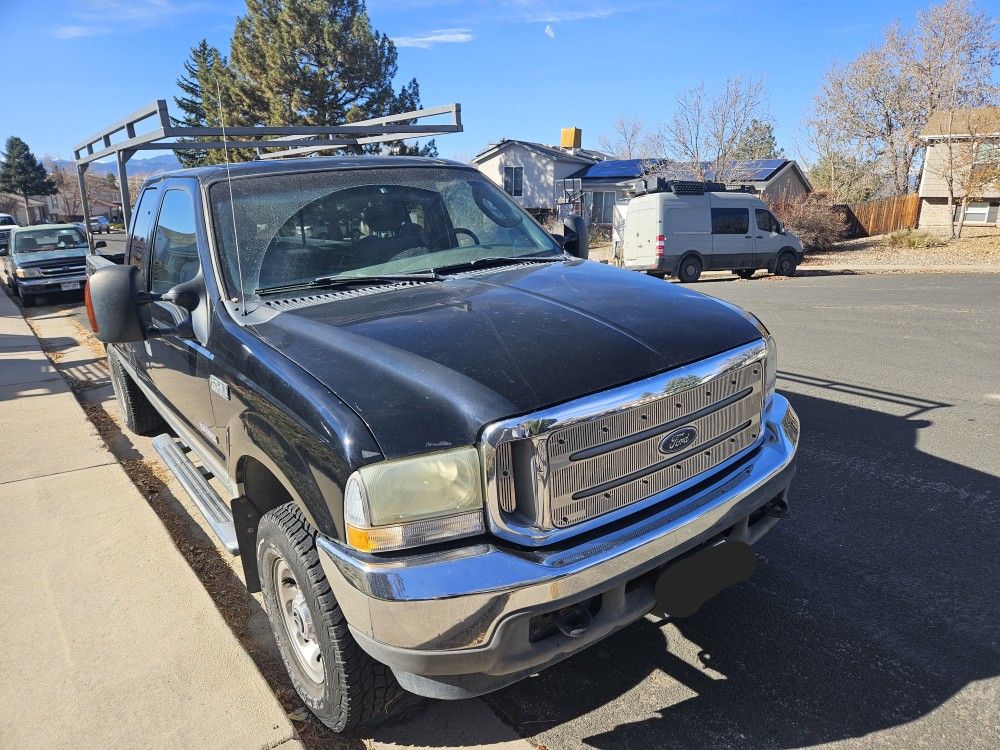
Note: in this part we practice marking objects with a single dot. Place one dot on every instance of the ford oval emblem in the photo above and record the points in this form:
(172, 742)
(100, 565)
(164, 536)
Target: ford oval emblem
(678, 440)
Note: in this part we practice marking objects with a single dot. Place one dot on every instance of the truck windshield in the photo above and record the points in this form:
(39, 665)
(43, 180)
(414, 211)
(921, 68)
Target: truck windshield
(54, 238)
(290, 229)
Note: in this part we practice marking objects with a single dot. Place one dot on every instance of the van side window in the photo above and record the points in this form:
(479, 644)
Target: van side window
(175, 249)
(766, 222)
(730, 220)
(142, 220)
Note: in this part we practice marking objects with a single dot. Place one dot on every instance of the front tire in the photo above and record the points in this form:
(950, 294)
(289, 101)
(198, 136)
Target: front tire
(785, 264)
(336, 679)
(28, 300)
(139, 415)
(689, 269)
(745, 273)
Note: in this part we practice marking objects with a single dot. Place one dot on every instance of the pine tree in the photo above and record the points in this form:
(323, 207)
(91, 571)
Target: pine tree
(758, 142)
(206, 77)
(22, 174)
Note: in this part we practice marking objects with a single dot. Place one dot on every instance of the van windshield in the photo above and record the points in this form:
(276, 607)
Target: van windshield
(293, 228)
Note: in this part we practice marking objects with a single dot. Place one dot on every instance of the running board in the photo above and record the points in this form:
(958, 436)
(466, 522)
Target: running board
(194, 482)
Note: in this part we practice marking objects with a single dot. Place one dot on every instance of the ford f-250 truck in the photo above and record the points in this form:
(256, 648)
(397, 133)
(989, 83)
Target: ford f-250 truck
(455, 452)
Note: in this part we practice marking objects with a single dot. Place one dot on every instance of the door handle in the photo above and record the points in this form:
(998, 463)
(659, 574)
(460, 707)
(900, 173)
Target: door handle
(748, 237)
(760, 236)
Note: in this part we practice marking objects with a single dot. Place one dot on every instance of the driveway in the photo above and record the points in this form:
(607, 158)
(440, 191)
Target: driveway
(872, 620)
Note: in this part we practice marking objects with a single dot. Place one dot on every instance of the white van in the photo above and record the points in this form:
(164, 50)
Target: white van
(684, 230)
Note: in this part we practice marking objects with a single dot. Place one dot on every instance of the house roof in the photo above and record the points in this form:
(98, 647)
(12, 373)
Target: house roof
(962, 122)
(751, 170)
(580, 155)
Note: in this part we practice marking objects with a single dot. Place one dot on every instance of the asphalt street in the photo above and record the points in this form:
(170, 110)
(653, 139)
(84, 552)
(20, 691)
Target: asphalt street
(872, 619)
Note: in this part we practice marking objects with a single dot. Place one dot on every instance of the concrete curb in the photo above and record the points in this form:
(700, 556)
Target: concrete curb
(109, 638)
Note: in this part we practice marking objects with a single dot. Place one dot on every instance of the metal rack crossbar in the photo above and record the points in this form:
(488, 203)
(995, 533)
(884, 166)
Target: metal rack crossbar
(293, 140)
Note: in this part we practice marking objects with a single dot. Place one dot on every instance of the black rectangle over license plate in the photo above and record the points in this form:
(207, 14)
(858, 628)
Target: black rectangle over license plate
(685, 585)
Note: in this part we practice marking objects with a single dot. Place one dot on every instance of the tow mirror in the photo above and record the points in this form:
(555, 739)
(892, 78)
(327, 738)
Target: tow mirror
(115, 306)
(575, 236)
(112, 304)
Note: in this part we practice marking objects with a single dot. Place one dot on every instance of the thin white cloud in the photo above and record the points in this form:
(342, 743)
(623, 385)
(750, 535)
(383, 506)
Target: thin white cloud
(549, 31)
(93, 17)
(74, 32)
(430, 38)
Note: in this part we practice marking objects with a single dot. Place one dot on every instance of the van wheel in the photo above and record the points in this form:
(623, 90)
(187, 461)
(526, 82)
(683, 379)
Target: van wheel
(340, 683)
(690, 269)
(656, 274)
(785, 265)
(745, 273)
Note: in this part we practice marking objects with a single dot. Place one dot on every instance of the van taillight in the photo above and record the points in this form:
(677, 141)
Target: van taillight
(659, 245)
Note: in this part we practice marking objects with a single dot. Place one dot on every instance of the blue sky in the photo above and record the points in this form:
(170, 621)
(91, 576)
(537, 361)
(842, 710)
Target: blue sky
(520, 69)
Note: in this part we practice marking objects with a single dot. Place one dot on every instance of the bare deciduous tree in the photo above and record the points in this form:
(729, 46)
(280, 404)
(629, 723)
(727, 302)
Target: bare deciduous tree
(628, 140)
(708, 129)
(878, 104)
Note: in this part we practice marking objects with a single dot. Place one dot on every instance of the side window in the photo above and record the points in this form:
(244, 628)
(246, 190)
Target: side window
(765, 222)
(730, 220)
(142, 220)
(175, 251)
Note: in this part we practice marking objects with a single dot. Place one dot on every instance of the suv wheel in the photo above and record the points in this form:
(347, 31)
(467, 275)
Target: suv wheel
(745, 273)
(336, 679)
(785, 265)
(689, 270)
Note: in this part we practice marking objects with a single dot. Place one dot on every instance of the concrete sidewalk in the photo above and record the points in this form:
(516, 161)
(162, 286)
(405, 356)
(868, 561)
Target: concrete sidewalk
(107, 638)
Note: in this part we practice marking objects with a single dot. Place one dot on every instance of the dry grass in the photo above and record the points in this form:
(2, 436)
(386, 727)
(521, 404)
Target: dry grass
(977, 247)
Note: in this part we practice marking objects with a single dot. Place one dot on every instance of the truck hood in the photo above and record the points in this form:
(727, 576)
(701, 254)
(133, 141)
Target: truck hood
(427, 366)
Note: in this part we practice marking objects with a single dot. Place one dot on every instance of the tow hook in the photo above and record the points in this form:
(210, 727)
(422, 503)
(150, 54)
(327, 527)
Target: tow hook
(573, 621)
(777, 508)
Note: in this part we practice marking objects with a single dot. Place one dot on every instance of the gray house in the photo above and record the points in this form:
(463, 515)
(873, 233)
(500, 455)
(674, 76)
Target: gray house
(596, 187)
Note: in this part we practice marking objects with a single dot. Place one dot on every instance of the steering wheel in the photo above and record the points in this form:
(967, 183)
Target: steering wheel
(452, 233)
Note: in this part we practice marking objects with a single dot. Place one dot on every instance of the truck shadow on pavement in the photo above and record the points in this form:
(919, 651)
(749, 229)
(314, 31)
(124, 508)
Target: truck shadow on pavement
(874, 603)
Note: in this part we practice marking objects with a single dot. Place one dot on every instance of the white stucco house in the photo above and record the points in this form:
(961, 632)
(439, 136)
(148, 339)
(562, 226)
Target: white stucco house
(532, 173)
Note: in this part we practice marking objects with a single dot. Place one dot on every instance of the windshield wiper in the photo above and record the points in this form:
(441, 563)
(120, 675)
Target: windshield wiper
(499, 260)
(338, 280)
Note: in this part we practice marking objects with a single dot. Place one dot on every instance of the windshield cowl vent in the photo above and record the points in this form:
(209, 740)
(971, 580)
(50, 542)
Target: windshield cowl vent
(307, 300)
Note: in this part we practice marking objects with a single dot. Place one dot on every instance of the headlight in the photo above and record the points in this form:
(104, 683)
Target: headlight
(771, 363)
(408, 502)
(27, 273)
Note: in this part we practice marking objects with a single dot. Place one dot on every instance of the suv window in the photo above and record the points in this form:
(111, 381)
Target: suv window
(175, 250)
(142, 220)
(765, 221)
(730, 220)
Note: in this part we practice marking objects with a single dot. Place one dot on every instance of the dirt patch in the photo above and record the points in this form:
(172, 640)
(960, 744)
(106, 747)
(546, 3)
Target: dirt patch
(977, 247)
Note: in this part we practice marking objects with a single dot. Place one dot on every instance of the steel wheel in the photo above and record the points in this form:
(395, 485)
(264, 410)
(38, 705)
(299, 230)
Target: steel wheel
(298, 621)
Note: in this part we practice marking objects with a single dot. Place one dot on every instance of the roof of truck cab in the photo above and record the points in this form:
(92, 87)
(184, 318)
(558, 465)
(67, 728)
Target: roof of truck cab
(309, 164)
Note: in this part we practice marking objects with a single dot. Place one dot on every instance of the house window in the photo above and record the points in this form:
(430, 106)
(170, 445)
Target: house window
(602, 207)
(979, 212)
(513, 181)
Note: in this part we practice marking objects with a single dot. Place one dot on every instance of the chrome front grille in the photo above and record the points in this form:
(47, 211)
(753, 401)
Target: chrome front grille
(563, 470)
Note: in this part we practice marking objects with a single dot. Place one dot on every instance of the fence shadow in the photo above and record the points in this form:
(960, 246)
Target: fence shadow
(872, 606)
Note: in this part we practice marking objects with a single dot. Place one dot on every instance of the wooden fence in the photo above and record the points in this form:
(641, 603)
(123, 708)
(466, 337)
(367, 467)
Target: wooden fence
(886, 215)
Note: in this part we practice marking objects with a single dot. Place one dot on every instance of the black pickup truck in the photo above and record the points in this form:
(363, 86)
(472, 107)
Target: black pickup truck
(450, 450)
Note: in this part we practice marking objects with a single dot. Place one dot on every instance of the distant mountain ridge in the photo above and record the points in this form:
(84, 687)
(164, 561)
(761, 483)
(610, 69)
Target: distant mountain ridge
(136, 166)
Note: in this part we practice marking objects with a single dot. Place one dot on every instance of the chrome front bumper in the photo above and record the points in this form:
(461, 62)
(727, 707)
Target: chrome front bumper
(456, 623)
